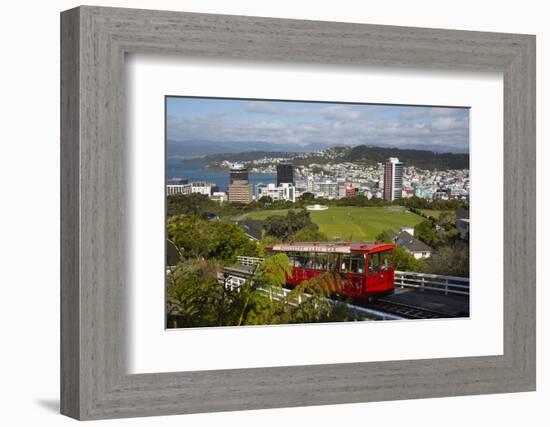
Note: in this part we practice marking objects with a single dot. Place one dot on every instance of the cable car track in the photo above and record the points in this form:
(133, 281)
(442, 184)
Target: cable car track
(403, 310)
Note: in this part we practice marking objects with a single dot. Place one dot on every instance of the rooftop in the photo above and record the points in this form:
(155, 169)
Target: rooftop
(411, 243)
(332, 247)
(252, 227)
(176, 181)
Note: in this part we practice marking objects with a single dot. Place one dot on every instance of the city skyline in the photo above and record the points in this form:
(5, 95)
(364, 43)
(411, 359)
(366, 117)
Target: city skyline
(198, 126)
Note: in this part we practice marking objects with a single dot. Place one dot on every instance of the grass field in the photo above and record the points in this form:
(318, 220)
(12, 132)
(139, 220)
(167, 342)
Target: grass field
(353, 223)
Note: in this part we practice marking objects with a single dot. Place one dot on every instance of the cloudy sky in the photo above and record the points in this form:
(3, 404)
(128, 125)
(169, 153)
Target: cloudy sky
(315, 125)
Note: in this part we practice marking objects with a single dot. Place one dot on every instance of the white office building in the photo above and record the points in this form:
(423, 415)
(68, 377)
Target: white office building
(285, 191)
(203, 187)
(326, 189)
(177, 186)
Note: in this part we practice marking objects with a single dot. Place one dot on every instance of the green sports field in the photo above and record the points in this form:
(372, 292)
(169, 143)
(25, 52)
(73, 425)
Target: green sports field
(353, 223)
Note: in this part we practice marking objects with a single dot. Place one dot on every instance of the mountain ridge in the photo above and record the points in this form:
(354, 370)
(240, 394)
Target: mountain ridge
(367, 154)
(198, 148)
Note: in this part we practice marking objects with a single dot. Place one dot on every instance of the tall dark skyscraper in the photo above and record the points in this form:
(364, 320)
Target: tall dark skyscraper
(285, 174)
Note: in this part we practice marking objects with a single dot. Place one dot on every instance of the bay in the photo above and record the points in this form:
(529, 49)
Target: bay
(195, 171)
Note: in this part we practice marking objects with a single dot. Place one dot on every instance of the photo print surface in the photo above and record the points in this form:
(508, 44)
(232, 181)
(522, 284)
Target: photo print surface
(292, 212)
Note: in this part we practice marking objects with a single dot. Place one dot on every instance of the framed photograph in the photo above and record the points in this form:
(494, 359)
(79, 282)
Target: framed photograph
(261, 213)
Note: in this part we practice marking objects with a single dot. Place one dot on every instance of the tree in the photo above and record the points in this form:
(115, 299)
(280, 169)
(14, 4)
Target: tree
(276, 226)
(220, 240)
(452, 260)
(190, 234)
(254, 305)
(311, 300)
(265, 201)
(266, 242)
(308, 235)
(426, 232)
(283, 227)
(194, 290)
(227, 241)
(307, 197)
(405, 261)
(384, 237)
(446, 219)
(192, 287)
(190, 204)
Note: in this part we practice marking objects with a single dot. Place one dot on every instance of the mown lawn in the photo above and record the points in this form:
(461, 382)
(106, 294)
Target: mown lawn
(353, 223)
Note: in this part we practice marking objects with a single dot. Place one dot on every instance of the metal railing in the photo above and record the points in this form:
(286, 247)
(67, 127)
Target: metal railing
(233, 283)
(407, 279)
(250, 261)
(432, 282)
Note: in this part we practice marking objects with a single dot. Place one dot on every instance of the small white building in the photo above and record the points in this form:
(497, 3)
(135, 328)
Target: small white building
(177, 186)
(411, 244)
(219, 196)
(285, 191)
(203, 187)
(409, 230)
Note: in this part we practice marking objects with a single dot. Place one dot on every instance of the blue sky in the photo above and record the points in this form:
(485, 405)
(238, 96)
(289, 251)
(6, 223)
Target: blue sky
(315, 125)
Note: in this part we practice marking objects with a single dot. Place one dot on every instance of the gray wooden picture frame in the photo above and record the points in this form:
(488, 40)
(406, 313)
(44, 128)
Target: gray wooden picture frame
(94, 41)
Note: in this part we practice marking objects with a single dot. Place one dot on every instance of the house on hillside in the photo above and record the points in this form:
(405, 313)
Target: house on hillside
(463, 221)
(411, 244)
(252, 228)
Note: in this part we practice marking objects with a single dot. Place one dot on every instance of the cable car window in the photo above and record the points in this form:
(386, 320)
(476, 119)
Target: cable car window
(374, 263)
(315, 261)
(292, 258)
(332, 262)
(344, 263)
(386, 260)
(307, 260)
(357, 264)
(322, 260)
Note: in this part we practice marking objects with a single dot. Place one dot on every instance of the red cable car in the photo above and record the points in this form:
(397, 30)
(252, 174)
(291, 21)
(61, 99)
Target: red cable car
(368, 268)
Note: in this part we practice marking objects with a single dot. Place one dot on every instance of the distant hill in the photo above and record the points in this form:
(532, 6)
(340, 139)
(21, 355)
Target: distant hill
(423, 159)
(246, 156)
(198, 148)
(367, 154)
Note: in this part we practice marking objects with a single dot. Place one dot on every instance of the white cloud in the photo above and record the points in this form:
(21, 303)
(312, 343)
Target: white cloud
(328, 126)
(262, 107)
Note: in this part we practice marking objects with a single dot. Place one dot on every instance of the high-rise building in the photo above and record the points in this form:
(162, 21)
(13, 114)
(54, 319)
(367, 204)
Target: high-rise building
(285, 174)
(393, 179)
(238, 172)
(239, 191)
